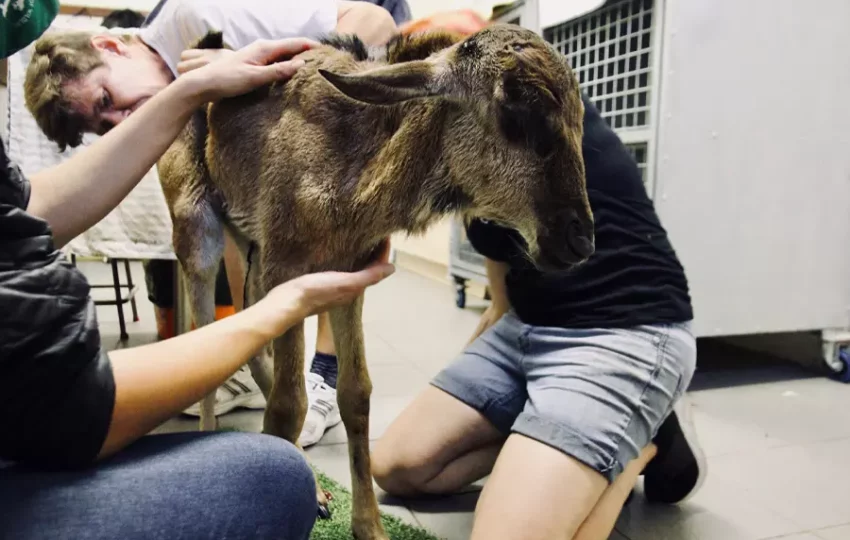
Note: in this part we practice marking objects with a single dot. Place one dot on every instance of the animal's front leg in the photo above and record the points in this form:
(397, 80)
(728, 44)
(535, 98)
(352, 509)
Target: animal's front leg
(287, 404)
(354, 390)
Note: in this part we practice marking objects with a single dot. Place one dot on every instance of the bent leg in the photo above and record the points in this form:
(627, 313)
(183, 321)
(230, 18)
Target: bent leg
(451, 434)
(437, 445)
(596, 399)
(176, 486)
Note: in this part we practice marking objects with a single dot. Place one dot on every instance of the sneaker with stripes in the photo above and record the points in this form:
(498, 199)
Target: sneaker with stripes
(240, 391)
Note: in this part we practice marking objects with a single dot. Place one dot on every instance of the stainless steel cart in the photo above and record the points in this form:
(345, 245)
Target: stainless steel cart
(464, 262)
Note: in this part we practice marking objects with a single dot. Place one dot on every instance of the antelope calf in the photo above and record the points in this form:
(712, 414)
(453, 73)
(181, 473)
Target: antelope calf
(313, 174)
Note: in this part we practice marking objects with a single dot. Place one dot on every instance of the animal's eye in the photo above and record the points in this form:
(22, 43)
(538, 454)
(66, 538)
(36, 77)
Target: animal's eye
(519, 47)
(468, 47)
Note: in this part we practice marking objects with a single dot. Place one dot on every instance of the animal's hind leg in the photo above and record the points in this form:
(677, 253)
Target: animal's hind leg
(199, 244)
(250, 290)
(354, 392)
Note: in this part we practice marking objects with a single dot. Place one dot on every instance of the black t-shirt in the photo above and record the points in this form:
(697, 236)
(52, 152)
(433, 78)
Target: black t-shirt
(58, 389)
(633, 278)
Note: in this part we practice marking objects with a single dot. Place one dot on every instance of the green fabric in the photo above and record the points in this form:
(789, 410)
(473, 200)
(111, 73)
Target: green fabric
(23, 21)
(339, 526)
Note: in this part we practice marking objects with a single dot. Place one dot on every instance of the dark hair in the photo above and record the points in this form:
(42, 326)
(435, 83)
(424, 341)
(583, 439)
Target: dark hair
(123, 18)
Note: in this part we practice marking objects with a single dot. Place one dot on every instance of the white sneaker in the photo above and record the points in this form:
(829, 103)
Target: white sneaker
(239, 391)
(322, 410)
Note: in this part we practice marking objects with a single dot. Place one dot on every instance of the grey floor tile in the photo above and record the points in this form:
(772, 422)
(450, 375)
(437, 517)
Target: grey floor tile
(448, 517)
(396, 380)
(378, 351)
(834, 533)
(808, 484)
(763, 416)
(721, 435)
(178, 424)
(421, 322)
(451, 517)
(721, 510)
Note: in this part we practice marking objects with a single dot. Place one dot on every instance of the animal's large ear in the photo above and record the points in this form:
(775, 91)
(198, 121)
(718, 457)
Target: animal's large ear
(389, 84)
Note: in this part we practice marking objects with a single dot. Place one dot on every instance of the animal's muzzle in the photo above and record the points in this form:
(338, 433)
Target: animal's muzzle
(569, 243)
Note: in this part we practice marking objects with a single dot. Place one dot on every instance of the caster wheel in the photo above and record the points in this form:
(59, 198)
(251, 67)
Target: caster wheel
(460, 292)
(844, 374)
(460, 298)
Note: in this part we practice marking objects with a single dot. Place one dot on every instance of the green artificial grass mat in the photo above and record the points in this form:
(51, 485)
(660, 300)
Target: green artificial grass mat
(339, 526)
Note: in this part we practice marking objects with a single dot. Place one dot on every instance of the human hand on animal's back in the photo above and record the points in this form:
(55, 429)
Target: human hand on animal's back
(228, 75)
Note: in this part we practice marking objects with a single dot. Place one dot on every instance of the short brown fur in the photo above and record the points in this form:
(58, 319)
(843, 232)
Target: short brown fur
(313, 174)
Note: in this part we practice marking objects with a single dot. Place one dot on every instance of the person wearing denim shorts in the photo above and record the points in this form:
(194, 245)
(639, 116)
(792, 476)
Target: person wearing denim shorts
(566, 392)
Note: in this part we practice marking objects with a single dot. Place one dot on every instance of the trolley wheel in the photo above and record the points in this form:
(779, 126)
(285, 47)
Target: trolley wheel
(460, 292)
(844, 374)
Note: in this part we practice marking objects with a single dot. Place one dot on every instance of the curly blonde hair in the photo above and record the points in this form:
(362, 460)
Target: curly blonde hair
(59, 58)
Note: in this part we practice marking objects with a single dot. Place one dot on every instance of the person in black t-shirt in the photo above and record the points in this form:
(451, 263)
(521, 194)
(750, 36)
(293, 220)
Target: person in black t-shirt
(586, 365)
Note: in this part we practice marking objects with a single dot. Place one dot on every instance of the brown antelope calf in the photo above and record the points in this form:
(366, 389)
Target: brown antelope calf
(314, 174)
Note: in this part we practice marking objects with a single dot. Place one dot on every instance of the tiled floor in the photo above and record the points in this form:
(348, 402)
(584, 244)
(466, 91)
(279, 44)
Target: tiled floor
(777, 437)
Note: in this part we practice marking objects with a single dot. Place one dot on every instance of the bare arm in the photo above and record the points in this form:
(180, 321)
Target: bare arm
(155, 382)
(81, 191)
(373, 24)
(499, 303)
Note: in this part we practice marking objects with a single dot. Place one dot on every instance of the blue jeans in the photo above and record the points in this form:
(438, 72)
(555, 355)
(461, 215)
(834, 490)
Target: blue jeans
(177, 486)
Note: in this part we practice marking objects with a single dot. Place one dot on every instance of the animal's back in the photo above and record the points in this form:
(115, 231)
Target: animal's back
(287, 154)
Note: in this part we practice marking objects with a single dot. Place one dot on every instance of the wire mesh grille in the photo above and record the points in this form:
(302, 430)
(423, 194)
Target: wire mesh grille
(610, 50)
(638, 152)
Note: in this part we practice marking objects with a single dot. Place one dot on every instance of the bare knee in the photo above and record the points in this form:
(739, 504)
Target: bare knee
(395, 474)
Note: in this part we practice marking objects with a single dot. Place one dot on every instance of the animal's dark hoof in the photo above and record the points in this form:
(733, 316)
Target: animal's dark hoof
(324, 512)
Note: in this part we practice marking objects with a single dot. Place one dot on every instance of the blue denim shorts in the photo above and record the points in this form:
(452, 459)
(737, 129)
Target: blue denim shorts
(598, 395)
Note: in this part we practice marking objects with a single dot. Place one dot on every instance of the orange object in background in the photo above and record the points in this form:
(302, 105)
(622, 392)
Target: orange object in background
(462, 21)
(165, 319)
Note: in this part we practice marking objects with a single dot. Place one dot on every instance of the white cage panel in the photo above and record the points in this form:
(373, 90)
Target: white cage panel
(639, 152)
(611, 53)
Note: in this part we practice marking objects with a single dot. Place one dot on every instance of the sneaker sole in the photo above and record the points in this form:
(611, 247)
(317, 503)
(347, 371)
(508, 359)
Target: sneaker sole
(250, 401)
(686, 422)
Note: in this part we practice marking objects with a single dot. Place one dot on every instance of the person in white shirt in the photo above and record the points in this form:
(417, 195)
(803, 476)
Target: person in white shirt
(79, 82)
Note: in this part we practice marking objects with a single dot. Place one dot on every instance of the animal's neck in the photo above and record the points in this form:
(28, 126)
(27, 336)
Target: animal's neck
(408, 183)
